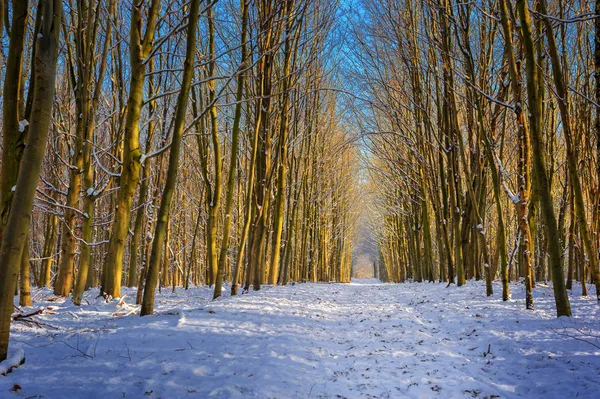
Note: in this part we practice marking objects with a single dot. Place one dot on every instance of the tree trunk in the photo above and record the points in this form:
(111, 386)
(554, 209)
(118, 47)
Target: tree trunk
(24, 279)
(140, 49)
(17, 227)
(163, 213)
(563, 307)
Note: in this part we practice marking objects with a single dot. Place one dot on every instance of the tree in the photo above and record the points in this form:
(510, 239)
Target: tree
(563, 307)
(17, 227)
(140, 47)
(167, 195)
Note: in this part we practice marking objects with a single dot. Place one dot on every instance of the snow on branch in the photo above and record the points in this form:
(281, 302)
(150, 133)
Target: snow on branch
(515, 198)
(154, 153)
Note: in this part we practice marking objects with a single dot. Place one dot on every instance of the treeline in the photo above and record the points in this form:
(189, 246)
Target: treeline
(176, 143)
(484, 136)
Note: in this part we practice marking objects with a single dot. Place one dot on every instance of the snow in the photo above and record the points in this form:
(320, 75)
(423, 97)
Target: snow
(22, 125)
(13, 361)
(359, 340)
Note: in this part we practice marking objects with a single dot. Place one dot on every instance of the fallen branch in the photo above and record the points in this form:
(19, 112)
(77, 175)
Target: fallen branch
(27, 317)
(20, 316)
(122, 300)
(124, 314)
(582, 334)
(8, 365)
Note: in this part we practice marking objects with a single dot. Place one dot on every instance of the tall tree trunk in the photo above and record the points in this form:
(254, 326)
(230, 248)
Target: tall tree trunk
(91, 192)
(163, 213)
(215, 198)
(289, 48)
(17, 227)
(572, 162)
(140, 48)
(524, 163)
(597, 121)
(563, 307)
(13, 128)
(241, 81)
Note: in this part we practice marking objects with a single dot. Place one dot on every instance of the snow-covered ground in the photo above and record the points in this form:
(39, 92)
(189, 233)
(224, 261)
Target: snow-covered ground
(360, 340)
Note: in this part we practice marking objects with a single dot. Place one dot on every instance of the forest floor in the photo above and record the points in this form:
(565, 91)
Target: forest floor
(360, 340)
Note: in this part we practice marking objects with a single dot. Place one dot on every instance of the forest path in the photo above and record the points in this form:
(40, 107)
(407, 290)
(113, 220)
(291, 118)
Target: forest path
(311, 341)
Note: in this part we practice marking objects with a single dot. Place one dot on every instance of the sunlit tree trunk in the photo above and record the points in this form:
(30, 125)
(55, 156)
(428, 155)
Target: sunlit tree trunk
(163, 213)
(283, 148)
(140, 45)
